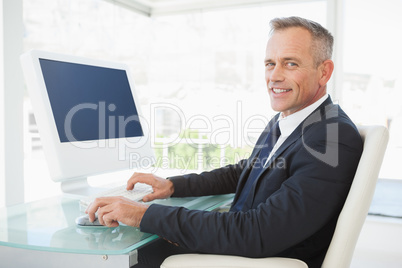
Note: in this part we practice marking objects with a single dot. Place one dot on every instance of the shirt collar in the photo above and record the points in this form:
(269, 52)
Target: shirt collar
(289, 123)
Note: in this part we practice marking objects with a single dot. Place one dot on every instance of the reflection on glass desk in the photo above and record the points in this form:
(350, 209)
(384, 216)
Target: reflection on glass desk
(49, 226)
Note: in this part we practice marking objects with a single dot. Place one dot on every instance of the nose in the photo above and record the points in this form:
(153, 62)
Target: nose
(275, 74)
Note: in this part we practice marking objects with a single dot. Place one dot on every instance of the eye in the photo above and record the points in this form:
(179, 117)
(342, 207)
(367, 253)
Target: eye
(269, 65)
(291, 64)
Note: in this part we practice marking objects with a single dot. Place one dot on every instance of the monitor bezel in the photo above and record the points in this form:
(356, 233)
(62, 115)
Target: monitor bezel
(73, 160)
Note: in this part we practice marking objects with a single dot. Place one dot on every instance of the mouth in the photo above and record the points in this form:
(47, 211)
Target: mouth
(279, 90)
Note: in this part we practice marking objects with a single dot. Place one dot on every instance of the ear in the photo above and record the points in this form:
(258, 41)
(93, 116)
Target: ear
(326, 68)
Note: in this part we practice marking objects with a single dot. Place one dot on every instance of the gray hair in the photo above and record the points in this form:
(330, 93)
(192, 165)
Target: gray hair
(322, 39)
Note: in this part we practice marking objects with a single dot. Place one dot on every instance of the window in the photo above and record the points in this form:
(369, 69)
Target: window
(200, 75)
(372, 86)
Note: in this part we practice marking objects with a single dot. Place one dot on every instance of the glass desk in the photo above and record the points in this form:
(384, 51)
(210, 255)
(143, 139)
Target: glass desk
(44, 234)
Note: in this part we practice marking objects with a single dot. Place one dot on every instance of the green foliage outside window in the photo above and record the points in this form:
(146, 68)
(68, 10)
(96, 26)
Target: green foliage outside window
(193, 156)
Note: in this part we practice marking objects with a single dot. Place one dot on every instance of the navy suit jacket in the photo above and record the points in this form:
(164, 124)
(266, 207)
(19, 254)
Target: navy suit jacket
(293, 206)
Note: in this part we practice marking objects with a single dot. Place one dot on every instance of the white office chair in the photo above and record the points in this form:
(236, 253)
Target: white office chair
(350, 222)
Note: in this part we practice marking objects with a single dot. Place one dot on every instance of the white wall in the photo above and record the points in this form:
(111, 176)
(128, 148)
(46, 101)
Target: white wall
(379, 244)
(11, 99)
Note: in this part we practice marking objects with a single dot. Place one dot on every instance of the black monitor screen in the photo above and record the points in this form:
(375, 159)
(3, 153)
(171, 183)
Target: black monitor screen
(90, 102)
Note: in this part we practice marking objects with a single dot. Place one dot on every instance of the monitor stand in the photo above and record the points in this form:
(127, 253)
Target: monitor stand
(80, 186)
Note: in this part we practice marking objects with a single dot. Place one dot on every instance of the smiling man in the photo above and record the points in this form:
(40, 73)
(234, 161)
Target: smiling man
(295, 71)
(287, 210)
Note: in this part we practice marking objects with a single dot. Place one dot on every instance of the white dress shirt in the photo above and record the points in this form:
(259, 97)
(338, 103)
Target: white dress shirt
(289, 123)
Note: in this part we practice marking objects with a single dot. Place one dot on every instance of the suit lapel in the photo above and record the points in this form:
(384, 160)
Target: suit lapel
(294, 136)
(246, 172)
(289, 141)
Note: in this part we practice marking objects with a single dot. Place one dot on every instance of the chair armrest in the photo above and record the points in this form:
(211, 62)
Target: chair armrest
(223, 261)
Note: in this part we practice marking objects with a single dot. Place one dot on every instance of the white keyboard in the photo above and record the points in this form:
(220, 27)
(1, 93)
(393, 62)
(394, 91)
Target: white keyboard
(140, 190)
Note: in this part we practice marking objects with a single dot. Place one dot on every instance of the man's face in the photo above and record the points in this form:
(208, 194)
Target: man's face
(293, 79)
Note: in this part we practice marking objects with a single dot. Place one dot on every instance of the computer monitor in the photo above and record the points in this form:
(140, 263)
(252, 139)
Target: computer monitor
(88, 117)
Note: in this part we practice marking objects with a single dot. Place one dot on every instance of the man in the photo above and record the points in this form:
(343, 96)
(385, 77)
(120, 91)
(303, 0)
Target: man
(288, 197)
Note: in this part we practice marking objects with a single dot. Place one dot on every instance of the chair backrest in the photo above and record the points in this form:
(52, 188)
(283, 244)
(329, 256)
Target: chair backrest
(355, 209)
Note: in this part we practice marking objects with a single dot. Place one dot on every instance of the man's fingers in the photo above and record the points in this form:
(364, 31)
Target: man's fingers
(106, 216)
(139, 177)
(91, 210)
(150, 197)
(112, 210)
(109, 220)
(96, 205)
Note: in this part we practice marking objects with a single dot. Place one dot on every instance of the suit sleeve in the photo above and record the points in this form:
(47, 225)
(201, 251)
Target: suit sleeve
(310, 197)
(219, 181)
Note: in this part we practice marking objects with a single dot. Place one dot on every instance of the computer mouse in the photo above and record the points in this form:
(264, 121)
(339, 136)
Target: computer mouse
(84, 221)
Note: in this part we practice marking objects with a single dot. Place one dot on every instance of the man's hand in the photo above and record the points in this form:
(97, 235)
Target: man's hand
(112, 210)
(162, 188)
